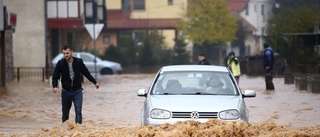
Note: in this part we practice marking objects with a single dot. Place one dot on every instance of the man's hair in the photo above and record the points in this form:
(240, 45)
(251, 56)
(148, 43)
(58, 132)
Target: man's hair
(66, 47)
(202, 54)
(231, 53)
(266, 45)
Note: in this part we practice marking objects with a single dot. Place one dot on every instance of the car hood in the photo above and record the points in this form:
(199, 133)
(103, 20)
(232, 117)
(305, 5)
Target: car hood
(212, 103)
(108, 63)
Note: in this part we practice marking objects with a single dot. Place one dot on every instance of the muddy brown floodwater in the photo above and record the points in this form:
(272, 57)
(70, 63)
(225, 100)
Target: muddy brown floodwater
(32, 109)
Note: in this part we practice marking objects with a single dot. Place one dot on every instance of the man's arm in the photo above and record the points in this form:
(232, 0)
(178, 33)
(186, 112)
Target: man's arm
(268, 55)
(236, 61)
(56, 75)
(84, 70)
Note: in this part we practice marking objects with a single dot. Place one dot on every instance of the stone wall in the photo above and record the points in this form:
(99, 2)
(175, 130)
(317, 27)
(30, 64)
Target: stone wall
(9, 55)
(8, 71)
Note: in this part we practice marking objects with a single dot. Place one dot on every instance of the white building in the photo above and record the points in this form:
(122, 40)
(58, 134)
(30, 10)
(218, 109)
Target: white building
(257, 13)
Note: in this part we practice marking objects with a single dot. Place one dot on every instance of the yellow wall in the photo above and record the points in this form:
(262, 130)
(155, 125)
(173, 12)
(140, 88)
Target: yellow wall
(154, 9)
(113, 4)
(100, 45)
(169, 36)
(160, 9)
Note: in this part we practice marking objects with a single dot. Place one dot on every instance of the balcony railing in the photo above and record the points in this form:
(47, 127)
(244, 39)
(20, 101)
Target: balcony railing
(27, 73)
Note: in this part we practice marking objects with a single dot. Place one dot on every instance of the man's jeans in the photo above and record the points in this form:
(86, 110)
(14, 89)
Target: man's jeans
(67, 98)
(269, 83)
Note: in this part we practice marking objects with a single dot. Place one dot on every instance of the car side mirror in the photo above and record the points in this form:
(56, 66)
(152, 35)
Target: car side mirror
(142, 93)
(249, 93)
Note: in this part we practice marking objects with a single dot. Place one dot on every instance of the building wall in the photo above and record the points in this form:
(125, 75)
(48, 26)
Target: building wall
(113, 4)
(169, 36)
(101, 46)
(160, 9)
(29, 37)
(259, 19)
(251, 45)
(155, 9)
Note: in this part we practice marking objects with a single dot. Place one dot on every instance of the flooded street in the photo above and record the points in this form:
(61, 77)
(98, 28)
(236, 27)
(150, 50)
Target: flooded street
(32, 109)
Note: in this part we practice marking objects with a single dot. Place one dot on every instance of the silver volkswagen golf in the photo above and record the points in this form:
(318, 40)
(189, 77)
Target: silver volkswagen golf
(193, 92)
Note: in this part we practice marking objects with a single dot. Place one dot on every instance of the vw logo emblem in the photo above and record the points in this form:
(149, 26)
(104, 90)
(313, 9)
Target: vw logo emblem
(194, 115)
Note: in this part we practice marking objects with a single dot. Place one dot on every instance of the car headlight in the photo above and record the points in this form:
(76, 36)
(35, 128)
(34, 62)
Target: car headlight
(160, 114)
(229, 114)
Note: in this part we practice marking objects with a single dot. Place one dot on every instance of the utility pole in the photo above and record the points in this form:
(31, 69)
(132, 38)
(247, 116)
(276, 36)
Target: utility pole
(2, 44)
(94, 22)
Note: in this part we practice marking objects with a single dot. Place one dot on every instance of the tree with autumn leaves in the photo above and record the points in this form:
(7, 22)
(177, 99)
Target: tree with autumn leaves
(208, 21)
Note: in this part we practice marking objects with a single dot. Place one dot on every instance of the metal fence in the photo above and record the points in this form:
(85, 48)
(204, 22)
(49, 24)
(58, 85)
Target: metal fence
(28, 73)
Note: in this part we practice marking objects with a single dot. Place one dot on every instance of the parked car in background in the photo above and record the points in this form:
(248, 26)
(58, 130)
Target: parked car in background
(193, 92)
(104, 67)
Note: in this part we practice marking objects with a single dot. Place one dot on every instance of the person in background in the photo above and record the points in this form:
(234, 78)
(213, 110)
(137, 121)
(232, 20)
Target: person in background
(203, 60)
(233, 65)
(268, 66)
(69, 69)
(214, 84)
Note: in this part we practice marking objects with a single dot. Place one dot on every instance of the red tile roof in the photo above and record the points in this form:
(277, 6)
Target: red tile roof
(237, 5)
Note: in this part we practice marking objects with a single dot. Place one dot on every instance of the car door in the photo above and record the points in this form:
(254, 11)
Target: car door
(88, 61)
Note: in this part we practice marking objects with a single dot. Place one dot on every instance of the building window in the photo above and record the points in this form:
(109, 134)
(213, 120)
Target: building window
(138, 4)
(126, 5)
(170, 2)
(88, 9)
(262, 9)
(106, 39)
(247, 10)
(133, 4)
(63, 8)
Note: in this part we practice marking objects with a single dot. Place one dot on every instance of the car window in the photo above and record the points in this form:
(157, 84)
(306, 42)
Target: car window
(86, 58)
(191, 83)
(75, 54)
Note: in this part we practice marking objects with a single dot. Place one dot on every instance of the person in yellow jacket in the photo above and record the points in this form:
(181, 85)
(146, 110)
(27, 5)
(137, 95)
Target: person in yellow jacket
(233, 65)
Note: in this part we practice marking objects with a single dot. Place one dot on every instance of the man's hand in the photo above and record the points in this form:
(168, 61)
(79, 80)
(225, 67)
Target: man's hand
(55, 90)
(267, 68)
(97, 85)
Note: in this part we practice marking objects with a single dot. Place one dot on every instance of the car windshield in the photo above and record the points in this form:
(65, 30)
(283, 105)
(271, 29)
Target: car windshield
(194, 83)
(89, 57)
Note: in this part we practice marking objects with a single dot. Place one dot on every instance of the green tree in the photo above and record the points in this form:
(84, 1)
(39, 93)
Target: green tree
(294, 20)
(147, 57)
(181, 55)
(151, 48)
(283, 30)
(283, 4)
(127, 49)
(208, 21)
(113, 54)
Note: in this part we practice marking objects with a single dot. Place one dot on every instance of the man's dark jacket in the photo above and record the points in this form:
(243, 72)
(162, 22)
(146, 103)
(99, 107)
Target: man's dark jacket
(62, 71)
(204, 62)
(268, 59)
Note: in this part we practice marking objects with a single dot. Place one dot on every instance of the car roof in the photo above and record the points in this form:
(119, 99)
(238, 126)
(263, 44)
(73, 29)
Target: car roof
(194, 68)
(81, 52)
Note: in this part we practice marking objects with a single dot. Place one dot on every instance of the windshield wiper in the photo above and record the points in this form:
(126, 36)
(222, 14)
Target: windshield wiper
(203, 93)
(167, 93)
